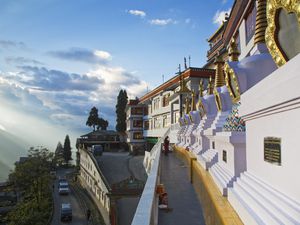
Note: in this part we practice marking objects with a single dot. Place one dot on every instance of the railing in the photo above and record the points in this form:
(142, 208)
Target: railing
(147, 210)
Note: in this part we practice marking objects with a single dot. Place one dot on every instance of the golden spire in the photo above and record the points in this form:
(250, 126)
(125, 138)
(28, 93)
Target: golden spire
(193, 101)
(201, 88)
(219, 79)
(183, 87)
(210, 87)
(187, 105)
(261, 22)
(233, 51)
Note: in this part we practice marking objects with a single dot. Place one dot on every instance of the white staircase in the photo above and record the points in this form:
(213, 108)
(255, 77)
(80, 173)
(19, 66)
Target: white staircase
(256, 202)
(222, 177)
(208, 158)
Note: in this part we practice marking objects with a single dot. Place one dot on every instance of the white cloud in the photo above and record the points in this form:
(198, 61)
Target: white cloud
(137, 13)
(27, 94)
(102, 55)
(224, 1)
(82, 55)
(2, 127)
(162, 22)
(219, 17)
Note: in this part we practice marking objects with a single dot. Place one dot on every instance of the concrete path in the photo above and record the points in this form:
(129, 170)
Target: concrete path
(182, 197)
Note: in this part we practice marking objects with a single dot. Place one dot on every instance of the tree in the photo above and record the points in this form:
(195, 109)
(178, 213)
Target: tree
(67, 153)
(120, 111)
(103, 124)
(31, 178)
(59, 154)
(93, 118)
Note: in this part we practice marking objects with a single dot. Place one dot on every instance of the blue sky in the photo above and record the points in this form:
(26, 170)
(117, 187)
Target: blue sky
(60, 58)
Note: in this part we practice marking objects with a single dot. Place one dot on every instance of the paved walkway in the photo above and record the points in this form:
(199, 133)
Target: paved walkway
(182, 197)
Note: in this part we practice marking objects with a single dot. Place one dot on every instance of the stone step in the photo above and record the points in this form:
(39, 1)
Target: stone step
(208, 158)
(223, 171)
(273, 210)
(256, 210)
(209, 154)
(290, 201)
(222, 177)
(277, 199)
(244, 209)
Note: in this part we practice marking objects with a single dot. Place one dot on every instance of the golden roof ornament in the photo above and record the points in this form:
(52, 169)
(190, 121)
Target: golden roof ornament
(233, 51)
(210, 87)
(182, 83)
(201, 88)
(261, 22)
(219, 79)
(193, 101)
(187, 105)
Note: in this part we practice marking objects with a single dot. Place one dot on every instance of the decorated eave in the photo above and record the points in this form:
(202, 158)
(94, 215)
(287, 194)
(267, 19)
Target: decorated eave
(190, 72)
(217, 32)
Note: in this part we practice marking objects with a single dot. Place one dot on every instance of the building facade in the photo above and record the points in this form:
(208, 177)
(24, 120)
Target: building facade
(150, 116)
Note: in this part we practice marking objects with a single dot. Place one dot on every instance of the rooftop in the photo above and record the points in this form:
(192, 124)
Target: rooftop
(174, 81)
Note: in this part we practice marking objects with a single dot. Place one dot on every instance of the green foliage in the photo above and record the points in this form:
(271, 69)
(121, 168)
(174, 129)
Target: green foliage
(120, 111)
(67, 153)
(95, 121)
(103, 124)
(93, 118)
(59, 154)
(31, 179)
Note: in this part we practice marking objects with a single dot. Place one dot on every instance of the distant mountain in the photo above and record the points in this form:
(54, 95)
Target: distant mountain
(4, 171)
(11, 148)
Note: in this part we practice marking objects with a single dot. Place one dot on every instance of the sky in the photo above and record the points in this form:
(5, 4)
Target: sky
(58, 59)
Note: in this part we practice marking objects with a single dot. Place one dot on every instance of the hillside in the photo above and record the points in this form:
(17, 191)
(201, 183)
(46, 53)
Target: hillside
(11, 148)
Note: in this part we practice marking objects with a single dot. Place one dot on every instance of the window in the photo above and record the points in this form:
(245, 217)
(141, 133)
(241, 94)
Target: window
(237, 41)
(250, 24)
(213, 145)
(146, 125)
(166, 121)
(156, 104)
(138, 135)
(176, 117)
(138, 123)
(137, 111)
(166, 99)
(156, 123)
(224, 156)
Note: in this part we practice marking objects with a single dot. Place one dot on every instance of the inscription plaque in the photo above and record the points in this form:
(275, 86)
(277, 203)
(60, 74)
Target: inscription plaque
(272, 150)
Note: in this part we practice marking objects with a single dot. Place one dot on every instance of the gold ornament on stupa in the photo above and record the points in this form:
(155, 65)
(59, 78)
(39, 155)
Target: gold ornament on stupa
(261, 22)
(233, 51)
(219, 79)
(201, 88)
(210, 87)
(187, 105)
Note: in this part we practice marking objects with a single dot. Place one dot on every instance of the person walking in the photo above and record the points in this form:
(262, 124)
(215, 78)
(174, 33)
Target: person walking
(166, 145)
(88, 214)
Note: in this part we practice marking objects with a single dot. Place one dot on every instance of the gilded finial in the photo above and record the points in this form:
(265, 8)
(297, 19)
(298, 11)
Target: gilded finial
(193, 101)
(219, 79)
(210, 87)
(187, 105)
(201, 88)
(233, 51)
(261, 22)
